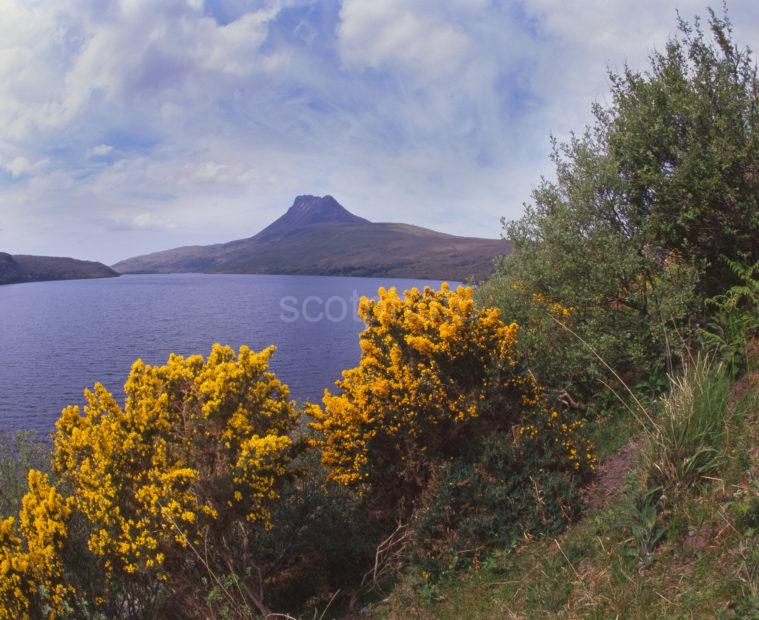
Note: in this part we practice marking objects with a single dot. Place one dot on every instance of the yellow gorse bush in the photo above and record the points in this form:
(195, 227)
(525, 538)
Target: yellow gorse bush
(199, 445)
(31, 564)
(432, 364)
(559, 434)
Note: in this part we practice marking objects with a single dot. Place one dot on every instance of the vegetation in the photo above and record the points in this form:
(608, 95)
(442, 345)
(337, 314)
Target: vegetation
(31, 556)
(192, 458)
(649, 206)
(634, 277)
(202, 483)
(677, 536)
(455, 471)
(435, 376)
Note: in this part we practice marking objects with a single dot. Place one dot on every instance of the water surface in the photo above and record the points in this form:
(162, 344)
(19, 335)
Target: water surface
(56, 338)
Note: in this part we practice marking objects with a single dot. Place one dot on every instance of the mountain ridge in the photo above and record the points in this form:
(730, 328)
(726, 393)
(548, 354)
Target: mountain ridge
(318, 236)
(20, 268)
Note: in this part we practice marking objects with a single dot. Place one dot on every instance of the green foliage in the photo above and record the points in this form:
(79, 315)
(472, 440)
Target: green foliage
(682, 137)
(322, 540)
(646, 202)
(647, 233)
(639, 555)
(642, 520)
(735, 319)
(512, 488)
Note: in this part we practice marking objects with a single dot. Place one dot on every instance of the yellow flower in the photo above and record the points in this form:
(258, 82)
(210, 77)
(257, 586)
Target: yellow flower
(431, 361)
(196, 438)
(31, 564)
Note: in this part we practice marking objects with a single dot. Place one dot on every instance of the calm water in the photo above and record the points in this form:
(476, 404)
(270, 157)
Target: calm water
(56, 338)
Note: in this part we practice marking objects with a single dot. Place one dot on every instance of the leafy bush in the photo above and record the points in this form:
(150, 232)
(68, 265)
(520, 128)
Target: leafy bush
(322, 540)
(526, 485)
(646, 202)
(683, 139)
(194, 457)
(735, 319)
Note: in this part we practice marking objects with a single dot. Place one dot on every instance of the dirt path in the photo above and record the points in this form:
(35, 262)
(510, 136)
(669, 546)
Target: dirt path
(610, 477)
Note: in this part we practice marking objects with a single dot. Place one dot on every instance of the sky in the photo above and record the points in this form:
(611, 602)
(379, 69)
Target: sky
(130, 126)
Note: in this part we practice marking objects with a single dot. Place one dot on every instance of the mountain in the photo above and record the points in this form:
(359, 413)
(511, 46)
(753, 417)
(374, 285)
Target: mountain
(309, 211)
(318, 236)
(23, 268)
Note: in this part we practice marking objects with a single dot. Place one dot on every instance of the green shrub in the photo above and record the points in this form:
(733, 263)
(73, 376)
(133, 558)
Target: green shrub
(646, 204)
(514, 487)
(322, 540)
(735, 319)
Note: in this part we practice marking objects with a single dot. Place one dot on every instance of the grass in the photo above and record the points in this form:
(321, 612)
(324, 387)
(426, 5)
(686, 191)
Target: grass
(686, 445)
(680, 539)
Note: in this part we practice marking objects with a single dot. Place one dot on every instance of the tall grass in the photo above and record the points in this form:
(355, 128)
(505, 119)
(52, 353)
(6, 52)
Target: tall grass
(689, 438)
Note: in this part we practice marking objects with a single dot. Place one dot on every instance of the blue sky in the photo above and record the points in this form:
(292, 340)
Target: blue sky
(137, 125)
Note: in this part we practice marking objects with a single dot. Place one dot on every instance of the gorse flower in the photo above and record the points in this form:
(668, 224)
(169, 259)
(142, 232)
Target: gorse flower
(554, 309)
(557, 433)
(432, 365)
(181, 480)
(31, 563)
(198, 445)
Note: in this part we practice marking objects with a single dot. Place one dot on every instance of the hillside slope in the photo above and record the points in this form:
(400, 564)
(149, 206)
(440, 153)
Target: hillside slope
(622, 559)
(317, 236)
(24, 268)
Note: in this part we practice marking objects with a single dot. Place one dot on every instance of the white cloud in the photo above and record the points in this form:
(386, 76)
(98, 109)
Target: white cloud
(156, 124)
(408, 33)
(33, 57)
(210, 172)
(21, 166)
(58, 59)
(151, 220)
(100, 150)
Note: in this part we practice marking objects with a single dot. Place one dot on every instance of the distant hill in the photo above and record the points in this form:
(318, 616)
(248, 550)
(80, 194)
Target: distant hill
(318, 236)
(23, 268)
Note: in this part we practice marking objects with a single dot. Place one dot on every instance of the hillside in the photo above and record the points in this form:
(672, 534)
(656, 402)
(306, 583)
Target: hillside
(23, 268)
(317, 236)
(623, 558)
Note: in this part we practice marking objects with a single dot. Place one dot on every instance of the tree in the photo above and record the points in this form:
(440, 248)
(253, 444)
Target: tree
(647, 204)
(684, 137)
